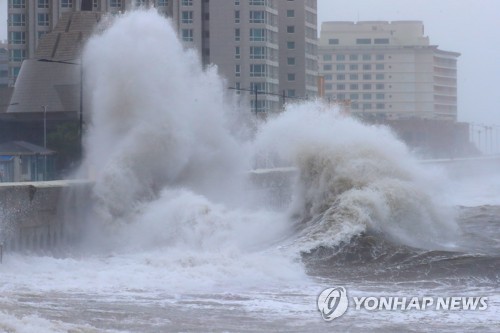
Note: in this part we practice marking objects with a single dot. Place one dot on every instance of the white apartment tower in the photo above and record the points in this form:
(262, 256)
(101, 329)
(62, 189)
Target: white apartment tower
(243, 43)
(265, 48)
(298, 43)
(388, 69)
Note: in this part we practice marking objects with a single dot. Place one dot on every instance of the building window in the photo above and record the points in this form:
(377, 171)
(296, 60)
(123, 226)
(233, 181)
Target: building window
(380, 86)
(353, 57)
(115, 3)
(257, 2)
(380, 96)
(353, 76)
(43, 19)
(187, 16)
(367, 57)
(237, 52)
(17, 55)
(367, 76)
(17, 37)
(290, 29)
(353, 67)
(17, 20)
(328, 86)
(237, 70)
(328, 77)
(379, 67)
(187, 35)
(327, 67)
(259, 86)
(237, 34)
(290, 13)
(340, 86)
(367, 67)
(367, 106)
(340, 57)
(381, 41)
(367, 86)
(257, 34)
(257, 16)
(380, 106)
(355, 106)
(162, 3)
(291, 77)
(290, 45)
(341, 77)
(354, 86)
(341, 67)
(187, 2)
(333, 41)
(290, 92)
(40, 34)
(236, 16)
(66, 3)
(363, 41)
(43, 3)
(379, 57)
(257, 70)
(367, 96)
(327, 57)
(290, 61)
(354, 96)
(14, 71)
(17, 3)
(236, 2)
(257, 52)
(380, 76)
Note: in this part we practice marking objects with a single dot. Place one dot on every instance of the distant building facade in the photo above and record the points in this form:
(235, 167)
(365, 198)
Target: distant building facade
(388, 70)
(268, 46)
(4, 65)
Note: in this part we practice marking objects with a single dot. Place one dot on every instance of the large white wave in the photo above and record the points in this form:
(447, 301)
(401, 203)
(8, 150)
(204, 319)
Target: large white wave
(171, 174)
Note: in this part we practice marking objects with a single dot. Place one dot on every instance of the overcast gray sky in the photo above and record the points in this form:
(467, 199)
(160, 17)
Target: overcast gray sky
(470, 27)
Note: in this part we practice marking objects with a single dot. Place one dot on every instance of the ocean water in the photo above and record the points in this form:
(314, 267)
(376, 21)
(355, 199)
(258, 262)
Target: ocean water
(181, 238)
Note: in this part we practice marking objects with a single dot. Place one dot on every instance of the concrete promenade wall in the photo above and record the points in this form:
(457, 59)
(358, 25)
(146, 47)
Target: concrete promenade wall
(31, 214)
(32, 218)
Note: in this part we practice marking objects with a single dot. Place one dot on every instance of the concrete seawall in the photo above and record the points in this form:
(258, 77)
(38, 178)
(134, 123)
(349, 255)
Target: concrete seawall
(32, 218)
(43, 216)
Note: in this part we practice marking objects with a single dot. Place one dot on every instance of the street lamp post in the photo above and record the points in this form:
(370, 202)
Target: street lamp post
(80, 114)
(44, 107)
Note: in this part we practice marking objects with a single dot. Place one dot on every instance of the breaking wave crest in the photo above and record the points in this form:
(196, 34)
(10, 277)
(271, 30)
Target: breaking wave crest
(354, 178)
(171, 173)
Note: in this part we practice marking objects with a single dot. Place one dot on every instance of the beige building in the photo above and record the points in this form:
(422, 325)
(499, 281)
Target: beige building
(266, 49)
(387, 69)
(298, 43)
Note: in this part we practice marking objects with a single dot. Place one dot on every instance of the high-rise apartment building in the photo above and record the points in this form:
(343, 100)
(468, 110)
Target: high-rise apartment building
(298, 43)
(388, 69)
(264, 48)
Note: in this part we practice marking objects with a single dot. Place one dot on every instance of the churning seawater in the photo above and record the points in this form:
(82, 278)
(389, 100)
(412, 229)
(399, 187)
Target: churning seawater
(181, 238)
